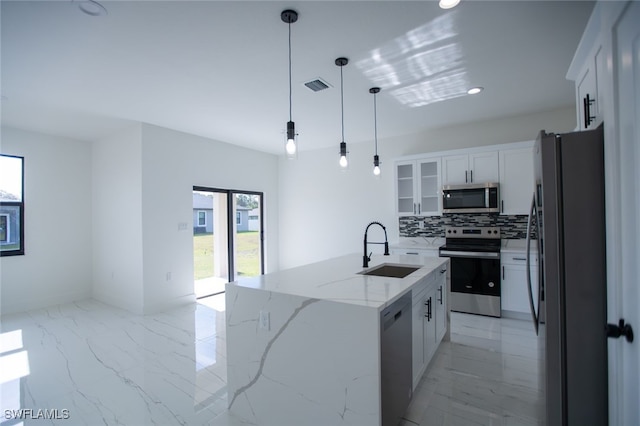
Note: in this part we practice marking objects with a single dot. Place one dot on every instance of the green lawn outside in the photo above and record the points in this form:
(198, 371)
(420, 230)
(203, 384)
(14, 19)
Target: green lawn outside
(247, 254)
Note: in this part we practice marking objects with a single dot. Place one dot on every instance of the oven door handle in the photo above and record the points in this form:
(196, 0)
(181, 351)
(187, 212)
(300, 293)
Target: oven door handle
(470, 254)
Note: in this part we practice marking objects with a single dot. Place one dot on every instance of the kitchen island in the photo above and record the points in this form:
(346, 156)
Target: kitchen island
(303, 344)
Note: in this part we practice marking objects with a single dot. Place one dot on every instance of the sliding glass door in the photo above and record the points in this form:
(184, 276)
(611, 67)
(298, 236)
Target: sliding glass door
(228, 243)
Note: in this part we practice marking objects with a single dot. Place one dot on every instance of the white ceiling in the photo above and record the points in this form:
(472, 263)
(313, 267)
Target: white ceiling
(219, 69)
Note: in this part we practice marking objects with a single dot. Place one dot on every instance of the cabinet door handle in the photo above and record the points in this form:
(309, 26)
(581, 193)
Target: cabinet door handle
(471, 173)
(501, 206)
(465, 177)
(442, 271)
(427, 303)
(519, 258)
(414, 208)
(503, 272)
(419, 207)
(588, 118)
(440, 291)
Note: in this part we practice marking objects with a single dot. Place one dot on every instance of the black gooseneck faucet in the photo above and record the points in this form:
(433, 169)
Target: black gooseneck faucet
(365, 258)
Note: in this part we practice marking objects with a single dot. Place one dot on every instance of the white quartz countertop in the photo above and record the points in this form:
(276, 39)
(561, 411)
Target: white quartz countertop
(338, 280)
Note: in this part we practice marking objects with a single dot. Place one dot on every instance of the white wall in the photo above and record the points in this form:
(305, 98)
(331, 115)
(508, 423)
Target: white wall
(56, 266)
(323, 212)
(117, 220)
(102, 218)
(172, 163)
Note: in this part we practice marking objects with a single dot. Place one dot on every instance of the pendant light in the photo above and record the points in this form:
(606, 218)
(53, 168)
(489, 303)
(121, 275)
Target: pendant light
(344, 154)
(376, 159)
(291, 146)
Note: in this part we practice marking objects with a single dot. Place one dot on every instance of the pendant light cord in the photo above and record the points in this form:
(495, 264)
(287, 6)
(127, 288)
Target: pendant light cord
(290, 89)
(342, 101)
(375, 121)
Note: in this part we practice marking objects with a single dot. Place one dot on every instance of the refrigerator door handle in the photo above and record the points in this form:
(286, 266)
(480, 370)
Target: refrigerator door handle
(540, 265)
(532, 214)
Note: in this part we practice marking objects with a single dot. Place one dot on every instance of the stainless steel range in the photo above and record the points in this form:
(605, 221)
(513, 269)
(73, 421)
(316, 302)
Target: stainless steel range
(475, 269)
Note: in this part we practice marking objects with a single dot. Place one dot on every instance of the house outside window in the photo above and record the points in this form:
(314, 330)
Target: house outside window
(202, 218)
(11, 205)
(238, 219)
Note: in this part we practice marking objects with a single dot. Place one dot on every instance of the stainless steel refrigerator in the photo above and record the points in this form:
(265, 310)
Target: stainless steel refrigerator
(568, 303)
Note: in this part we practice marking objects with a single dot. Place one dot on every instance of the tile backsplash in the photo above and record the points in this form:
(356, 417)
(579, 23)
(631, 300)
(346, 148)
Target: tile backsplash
(511, 227)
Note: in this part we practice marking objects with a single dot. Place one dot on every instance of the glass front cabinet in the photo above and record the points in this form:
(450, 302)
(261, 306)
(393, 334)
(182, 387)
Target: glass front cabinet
(418, 187)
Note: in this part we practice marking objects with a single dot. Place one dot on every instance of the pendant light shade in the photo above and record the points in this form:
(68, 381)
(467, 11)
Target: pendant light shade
(344, 154)
(291, 145)
(376, 160)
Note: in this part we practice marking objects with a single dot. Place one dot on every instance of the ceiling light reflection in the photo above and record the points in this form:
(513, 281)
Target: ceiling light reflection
(424, 66)
(447, 86)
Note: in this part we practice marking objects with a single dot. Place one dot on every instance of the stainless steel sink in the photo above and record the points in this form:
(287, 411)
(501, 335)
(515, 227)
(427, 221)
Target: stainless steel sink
(391, 270)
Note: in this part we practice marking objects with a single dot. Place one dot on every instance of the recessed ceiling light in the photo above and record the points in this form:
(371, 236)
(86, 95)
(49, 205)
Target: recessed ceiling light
(91, 7)
(448, 4)
(475, 90)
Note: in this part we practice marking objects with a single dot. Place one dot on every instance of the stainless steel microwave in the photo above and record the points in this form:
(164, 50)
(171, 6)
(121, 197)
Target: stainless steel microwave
(471, 198)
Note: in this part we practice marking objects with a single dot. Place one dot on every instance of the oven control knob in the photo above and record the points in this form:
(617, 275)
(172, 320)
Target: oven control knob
(491, 284)
(455, 232)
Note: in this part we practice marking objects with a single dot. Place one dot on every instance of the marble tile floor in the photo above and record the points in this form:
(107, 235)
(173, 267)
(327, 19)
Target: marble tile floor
(489, 373)
(88, 363)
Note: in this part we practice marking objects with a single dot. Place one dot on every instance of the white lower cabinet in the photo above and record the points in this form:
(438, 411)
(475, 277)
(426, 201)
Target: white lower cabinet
(429, 320)
(429, 330)
(441, 305)
(417, 330)
(514, 286)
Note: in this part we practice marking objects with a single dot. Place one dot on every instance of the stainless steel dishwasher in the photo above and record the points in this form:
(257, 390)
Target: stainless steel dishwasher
(395, 357)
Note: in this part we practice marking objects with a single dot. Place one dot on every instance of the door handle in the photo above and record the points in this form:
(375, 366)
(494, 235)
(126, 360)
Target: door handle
(503, 272)
(471, 173)
(465, 177)
(427, 303)
(621, 329)
(588, 118)
(440, 291)
(419, 207)
(533, 215)
(501, 206)
(414, 208)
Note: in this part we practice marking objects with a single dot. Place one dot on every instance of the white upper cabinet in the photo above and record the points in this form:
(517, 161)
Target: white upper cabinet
(588, 71)
(405, 188)
(588, 95)
(419, 178)
(418, 187)
(455, 169)
(483, 167)
(479, 167)
(516, 180)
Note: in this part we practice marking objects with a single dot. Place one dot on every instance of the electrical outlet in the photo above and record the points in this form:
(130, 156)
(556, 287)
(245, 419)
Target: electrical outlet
(263, 321)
